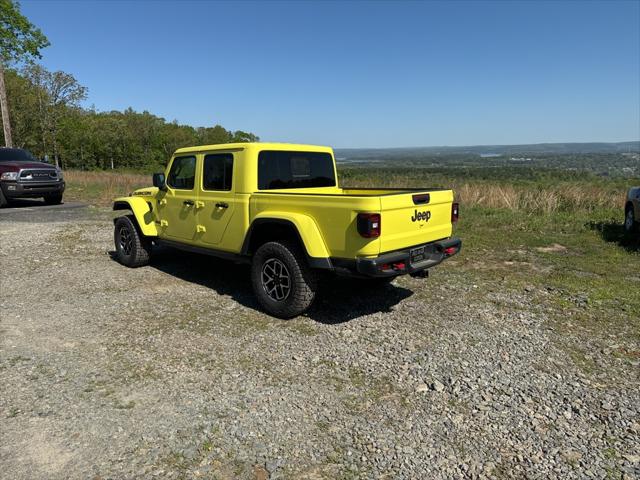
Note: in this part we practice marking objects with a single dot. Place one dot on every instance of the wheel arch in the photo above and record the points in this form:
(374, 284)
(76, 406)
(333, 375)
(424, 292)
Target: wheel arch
(142, 212)
(299, 228)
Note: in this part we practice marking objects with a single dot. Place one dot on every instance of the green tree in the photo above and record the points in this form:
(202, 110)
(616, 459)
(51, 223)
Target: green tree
(24, 112)
(240, 136)
(58, 94)
(19, 40)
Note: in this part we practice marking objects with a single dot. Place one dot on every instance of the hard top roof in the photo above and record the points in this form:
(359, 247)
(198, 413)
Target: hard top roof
(257, 145)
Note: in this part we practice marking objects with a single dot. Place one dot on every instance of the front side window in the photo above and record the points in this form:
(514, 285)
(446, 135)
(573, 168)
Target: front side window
(183, 173)
(217, 172)
(281, 169)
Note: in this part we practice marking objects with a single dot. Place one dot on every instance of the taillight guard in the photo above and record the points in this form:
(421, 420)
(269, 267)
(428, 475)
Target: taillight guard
(369, 225)
(455, 212)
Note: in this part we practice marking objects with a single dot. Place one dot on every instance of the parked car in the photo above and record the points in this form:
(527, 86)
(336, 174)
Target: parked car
(24, 176)
(632, 210)
(279, 208)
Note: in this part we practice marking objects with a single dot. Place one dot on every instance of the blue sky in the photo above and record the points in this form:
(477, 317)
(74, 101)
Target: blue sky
(360, 74)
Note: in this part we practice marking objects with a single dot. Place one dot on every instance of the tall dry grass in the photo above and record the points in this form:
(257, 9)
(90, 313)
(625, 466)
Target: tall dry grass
(531, 197)
(548, 199)
(101, 188)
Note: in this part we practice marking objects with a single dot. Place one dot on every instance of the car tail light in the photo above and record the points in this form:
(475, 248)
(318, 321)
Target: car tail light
(396, 266)
(369, 225)
(455, 212)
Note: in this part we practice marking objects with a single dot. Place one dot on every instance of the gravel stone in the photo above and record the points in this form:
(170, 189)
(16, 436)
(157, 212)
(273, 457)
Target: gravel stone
(437, 386)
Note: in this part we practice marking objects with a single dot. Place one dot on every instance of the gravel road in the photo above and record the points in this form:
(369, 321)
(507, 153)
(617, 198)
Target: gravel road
(170, 371)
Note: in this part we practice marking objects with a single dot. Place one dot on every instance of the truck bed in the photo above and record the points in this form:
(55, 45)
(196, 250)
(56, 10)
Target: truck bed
(403, 211)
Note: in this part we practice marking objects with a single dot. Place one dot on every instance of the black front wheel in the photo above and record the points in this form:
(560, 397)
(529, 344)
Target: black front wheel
(53, 199)
(132, 248)
(282, 281)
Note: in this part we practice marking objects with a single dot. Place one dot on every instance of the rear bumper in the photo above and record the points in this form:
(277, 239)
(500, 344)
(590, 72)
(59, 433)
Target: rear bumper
(399, 262)
(31, 189)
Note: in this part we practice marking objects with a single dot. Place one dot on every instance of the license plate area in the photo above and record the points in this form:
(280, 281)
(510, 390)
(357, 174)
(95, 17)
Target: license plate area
(417, 255)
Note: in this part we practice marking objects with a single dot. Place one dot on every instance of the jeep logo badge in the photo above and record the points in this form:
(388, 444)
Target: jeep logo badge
(426, 215)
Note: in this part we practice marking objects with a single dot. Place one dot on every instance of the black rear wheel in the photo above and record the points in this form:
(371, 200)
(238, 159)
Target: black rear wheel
(132, 248)
(282, 281)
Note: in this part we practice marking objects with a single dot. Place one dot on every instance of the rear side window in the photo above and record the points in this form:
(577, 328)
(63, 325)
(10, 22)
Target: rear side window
(218, 171)
(183, 173)
(280, 169)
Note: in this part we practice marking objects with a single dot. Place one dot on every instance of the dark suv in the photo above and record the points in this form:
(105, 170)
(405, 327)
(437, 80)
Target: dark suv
(24, 176)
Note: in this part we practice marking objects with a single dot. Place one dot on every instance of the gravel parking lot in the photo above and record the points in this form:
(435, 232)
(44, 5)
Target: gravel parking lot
(170, 371)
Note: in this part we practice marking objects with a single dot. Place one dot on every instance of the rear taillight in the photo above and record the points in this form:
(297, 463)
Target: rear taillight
(369, 225)
(455, 212)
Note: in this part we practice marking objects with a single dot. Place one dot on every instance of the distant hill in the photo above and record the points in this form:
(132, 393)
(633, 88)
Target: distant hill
(490, 150)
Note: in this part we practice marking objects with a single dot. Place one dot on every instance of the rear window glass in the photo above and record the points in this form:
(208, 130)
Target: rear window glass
(280, 169)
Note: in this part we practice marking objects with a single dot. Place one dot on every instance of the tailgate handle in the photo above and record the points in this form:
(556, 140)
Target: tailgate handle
(421, 198)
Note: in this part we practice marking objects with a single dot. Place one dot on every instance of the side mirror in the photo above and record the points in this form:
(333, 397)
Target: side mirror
(159, 181)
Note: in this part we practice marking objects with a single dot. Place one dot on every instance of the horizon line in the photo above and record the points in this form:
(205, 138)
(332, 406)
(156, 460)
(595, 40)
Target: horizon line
(489, 145)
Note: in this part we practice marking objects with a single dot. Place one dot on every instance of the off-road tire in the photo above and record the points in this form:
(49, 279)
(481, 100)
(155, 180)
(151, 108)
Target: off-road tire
(132, 248)
(3, 200)
(630, 225)
(53, 199)
(303, 281)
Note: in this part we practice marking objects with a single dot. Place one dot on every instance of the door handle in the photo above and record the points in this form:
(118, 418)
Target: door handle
(188, 203)
(222, 205)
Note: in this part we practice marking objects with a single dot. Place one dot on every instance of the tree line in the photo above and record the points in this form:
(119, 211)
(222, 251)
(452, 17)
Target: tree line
(42, 112)
(47, 119)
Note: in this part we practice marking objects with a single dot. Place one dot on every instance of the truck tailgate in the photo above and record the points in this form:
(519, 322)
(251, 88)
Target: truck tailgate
(414, 218)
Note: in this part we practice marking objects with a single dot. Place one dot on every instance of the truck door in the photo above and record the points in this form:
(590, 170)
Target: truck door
(177, 207)
(216, 199)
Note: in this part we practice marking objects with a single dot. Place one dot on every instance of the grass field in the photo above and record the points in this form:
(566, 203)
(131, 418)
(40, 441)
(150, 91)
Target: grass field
(553, 233)
(100, 188)
(515, 189)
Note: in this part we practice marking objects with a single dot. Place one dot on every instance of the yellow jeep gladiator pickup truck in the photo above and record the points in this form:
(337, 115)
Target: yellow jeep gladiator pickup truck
(279, 208)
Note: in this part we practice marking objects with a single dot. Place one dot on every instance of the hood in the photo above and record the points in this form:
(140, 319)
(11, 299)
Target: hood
(19, 165)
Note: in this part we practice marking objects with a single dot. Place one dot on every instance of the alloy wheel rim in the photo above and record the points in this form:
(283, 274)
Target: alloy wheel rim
(629, 220)
(276, 280)
(126, 242)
